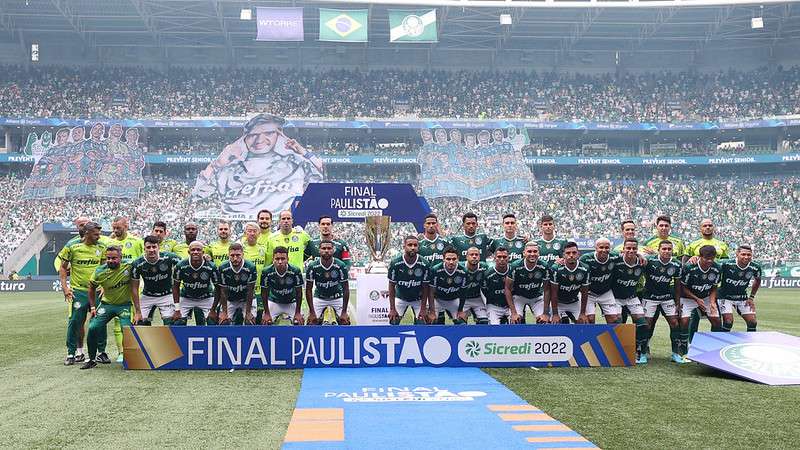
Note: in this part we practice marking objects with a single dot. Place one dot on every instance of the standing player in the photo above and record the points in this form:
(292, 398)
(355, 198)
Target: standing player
(569, 288)
(81, 258)
(193, 285)
(525, 286)
(237, 281)
(340, 249)
(258, 254)
(155, 268)
(132, 248)
(447, 281)
(292, 240)
(281, 289)
(550, 247)
(736, 276)
(628, 228)
(493, 288)
(510, 240)
(470, 238)
(472, 302)
(218, 250)
(707, 230)
(601, 263)
(327, 286)
(115, 278)
(662, 293)
(264, 219)
(698, 288)
(190, 235)
(432, 244)
(664, 233)
(625, 278)
(408, 284)
(160, 231)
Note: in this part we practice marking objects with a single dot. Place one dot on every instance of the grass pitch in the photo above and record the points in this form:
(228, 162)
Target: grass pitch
(661, 405)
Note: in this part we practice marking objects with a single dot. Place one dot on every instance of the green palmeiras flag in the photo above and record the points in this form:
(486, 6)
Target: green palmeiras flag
(418, 25)
(343, 25)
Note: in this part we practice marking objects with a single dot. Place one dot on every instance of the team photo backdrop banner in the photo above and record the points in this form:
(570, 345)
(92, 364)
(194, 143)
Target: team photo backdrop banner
(278, 347)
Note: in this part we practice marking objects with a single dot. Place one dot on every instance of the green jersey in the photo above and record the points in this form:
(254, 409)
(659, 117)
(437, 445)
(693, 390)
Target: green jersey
(493, 286)
(472, 287)
(328, 281)
(734, 280)
(181, 249)
(550, 250)
(515, 246)
(462, 243)
(167, 245)
(258, 255)
(132, 246)
(432, 250)
(408, 278)
(700, 282)
(693, 249)
(116, 283)
(659, 278)
(295, 242)
(218, 251)
(83, 260)
(263, 238)
(529, 281)
(236, 282)
(599, 272)
(282, 286)
(678, 247)
(196, 282)
(625, 278)
(340, 251)
(569, 282)
(447, 285)
(157, 275)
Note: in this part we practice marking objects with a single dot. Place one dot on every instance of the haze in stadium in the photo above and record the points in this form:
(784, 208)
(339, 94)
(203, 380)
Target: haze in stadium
(593, 238)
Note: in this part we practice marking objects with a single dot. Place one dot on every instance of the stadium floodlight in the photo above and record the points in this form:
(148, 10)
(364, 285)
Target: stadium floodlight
(757, 23)
(246, 14)
(505, 19)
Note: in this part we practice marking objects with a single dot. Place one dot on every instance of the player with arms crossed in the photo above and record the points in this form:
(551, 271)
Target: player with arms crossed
(155, 268)
(662, 293)
(624, 281)
(447, 280)
(510, 240)
(237, 282)
(526, 284)
(475, 270)
(736, 276)
(408, 284)
(569, 288)
(493, 288)
(327, 286)
(698, 286)
(193, 287)
(432, 244)
(281, 289)
(601, 263)
(470, 238)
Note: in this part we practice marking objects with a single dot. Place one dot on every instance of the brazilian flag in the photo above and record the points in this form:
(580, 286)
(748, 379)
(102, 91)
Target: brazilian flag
(343, 25)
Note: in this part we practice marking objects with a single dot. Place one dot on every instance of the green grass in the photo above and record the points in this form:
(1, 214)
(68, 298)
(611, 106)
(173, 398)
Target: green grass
(661, 405)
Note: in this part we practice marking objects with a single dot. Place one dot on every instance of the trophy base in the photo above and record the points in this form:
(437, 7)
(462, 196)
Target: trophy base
(377, 267)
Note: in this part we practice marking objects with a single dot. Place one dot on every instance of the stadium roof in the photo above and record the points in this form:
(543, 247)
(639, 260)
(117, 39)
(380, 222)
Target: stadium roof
(544, 27)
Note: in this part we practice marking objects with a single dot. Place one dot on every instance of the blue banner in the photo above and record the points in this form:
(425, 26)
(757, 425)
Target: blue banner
(271, 347)
(352, 202)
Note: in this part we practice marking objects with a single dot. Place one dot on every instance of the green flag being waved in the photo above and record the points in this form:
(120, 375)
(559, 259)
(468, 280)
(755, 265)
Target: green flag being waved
(418, 25)
(343, 25)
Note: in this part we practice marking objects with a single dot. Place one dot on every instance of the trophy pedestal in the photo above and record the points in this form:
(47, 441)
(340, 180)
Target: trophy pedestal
(377, 267)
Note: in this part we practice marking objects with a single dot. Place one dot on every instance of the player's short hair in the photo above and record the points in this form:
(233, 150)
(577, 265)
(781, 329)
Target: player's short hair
(120, 219)
(268, 212)
(261, 119)
(410, 237)
(531, 244)
(90, 226)
(324, 216)
(190, 224)
(450, 250)
(114, 248)
(251, 225)
(546, 218)
(431, 216)
(152, 239)
(473, 248)
(160, 224)
(224, 222)
(469, 215)
(235, 246)
(280, 249)
(630, 240)
(744, 247)
(666, 242)
(325, 241)
(570, 244)
(500, 249)
(708, 251)
(625, 222)
(200, 244)
(663, 218)
(602, 240)
(507, 215)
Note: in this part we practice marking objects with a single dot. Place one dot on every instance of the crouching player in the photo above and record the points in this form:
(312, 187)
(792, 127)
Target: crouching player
(447, 280)
(155, 270)
(662, 291)
(409, 284)
(526, 284)
(624, 279)
(472, 301)
(699, 291)
(736, 276)
(569, 288)
(327, 286)
(237, 281)
(193, 286)
(281, 289)
(493, 287)
(114, 277)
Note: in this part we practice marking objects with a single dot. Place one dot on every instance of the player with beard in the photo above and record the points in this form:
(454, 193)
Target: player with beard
(340, 249)
(526, 284)
(432, 244)
(472, 302)
(190, 235)
(698, 285)
(194, 283)
(447, 281)
(264, 220)
(470, 238)
(409, 284)
(569, 288)
(218, 250)
(327, 286)
(736, 275)
(601, 263)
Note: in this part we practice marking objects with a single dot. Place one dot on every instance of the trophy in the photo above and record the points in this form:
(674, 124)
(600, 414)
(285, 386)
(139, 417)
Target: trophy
(378, 240)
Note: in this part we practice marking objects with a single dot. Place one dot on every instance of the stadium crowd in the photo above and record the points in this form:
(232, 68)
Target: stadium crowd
(183, 92)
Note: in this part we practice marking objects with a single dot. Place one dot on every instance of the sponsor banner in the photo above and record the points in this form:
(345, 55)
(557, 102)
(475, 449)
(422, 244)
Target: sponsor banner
(353, 202)
(477, 166)
(764, 357)
(372, 307)
(279, 24)
(416, 25)
(255, 347)
(780, 282)
(30, 286)
(343, 25)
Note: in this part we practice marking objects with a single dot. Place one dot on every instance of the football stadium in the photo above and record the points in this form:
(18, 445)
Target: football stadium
(376, 224)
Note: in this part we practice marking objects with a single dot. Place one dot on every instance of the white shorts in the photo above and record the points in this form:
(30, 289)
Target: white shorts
(240, 306)
(651, 307)
(496, 313)
(634, 305)
(608, 304)
(402, 306)
(164, 303)
(320, 305)
(477, 306)
(450, 306)
(276, 310)
(741, 306)
(574, 308)
(536, 305)
(187, 304)
(689, 305)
